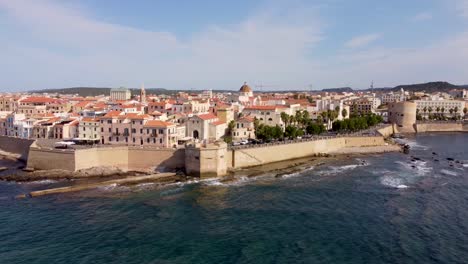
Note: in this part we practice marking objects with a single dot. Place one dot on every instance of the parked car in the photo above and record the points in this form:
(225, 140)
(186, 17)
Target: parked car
(236, 143)
(244, 142)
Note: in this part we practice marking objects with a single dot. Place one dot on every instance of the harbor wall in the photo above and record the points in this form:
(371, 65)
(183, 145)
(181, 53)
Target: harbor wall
(49, 159)
(124, 158)
(440, 127)
(17, 146)
(248, 157)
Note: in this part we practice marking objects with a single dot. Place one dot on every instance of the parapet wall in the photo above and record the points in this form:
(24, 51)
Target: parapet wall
(44, 159)
(124, 158)
(19, 146)
(439, 127)
(241, 158)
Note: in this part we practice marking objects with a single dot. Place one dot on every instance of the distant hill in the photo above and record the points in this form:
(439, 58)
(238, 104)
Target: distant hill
(422, 87)
(429, 87)
(338, 90)
(95, 91)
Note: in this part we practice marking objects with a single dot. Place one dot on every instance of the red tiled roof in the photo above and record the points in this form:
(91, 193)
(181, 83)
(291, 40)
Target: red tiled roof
(217, 123)
(90, 119)
(36, 99)
(207, 116)
(113, 114)
(158, 123)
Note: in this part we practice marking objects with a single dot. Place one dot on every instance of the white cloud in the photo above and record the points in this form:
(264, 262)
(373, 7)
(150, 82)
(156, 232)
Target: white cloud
(424, 16)
(263, 47)
(361, 41)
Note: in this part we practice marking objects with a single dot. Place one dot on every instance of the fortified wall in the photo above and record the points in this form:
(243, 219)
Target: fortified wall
(124, 158)
(248, 157)
(440, 127)
(18, 146)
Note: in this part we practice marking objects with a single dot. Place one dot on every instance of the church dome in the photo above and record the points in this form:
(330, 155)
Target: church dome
(245, 88)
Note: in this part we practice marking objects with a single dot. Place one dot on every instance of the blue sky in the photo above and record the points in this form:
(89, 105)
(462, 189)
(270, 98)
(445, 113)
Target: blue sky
(220, 44)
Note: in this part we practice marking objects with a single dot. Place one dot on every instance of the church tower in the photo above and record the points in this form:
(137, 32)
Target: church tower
(142, 94)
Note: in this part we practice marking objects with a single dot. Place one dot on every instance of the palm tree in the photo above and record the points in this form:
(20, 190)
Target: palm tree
(465, 110)
(438, 110)
(299, 117)
(451, 111)
(425, 110)
(284, 118)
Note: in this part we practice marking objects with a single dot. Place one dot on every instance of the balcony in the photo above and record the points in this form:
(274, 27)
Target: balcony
(116, 134)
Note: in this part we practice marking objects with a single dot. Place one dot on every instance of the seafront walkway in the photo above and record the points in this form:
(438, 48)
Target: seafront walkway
(370, 132)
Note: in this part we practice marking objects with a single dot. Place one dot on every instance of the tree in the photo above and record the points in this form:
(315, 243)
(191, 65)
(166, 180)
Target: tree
(344, 113)
(290, 132)
(284, 118)
(465, 110)
(231, 127)
(298, 117)
(451, 111)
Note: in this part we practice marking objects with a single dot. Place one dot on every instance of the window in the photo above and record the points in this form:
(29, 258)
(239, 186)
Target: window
(110, 139)
(110, 130)
(141, 130)
(160, 140)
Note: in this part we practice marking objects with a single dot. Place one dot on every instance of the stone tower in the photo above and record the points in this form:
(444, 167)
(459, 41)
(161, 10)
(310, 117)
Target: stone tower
(142, 94)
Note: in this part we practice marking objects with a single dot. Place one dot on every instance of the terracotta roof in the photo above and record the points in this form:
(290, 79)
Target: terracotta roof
(207, 116)
(90, 119)
(248, 119)
(217, 123)
(35, 99)
(158, 123)
(134, 116)
(113, 113)
(261, 107)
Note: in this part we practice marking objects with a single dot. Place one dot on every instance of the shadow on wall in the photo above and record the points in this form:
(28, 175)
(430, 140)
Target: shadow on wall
(174, 162)
(14, 145)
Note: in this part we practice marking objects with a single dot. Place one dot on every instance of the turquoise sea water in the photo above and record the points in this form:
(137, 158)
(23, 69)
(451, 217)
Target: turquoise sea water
(388, 208)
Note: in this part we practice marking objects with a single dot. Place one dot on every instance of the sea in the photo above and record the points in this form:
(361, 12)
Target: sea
(381, 208)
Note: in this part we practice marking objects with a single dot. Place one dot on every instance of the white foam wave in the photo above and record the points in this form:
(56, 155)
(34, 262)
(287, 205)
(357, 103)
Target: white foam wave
(339, 169)
(393, 182)
(297, 173)
(40, 182)
(448, 172)
(412, 144)
(113, 187)
(419, 167)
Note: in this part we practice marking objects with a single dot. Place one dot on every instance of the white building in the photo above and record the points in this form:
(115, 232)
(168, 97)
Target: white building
(120, 94)
(444, 106)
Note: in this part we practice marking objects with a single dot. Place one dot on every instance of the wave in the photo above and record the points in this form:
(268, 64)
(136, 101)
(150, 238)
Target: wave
(339, 169)
(448, 172)
(393, 182)
(297, 173)
(412, 144)
(419, 167)
(39, 182)
(113, 187)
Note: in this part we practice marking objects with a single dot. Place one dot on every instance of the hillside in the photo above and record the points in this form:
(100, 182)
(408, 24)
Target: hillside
(95, 91)
(338, 90)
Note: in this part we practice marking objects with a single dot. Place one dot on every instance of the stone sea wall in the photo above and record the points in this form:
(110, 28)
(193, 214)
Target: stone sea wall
(18, 146)
(439, 127)
(124, 158)
(248, 157)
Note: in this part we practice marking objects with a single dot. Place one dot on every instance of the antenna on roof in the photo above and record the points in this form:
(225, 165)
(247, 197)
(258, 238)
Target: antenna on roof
(372, 86)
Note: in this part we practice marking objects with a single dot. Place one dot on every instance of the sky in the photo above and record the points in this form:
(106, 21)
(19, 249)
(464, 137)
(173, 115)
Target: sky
(212, 44)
